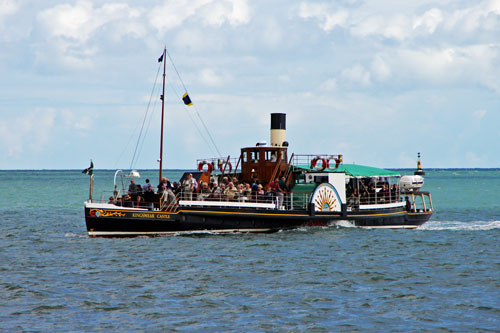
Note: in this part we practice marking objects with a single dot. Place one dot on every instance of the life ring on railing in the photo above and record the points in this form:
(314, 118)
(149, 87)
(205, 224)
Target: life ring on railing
(223, 166)
(337, 160)
(314, 163)
(202, 164)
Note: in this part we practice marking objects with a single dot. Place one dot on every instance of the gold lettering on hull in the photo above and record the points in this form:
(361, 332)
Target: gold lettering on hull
(147, 215)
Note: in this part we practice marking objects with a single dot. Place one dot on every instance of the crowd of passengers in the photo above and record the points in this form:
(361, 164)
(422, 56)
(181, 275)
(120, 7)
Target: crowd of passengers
(229, 189)
(372, 191)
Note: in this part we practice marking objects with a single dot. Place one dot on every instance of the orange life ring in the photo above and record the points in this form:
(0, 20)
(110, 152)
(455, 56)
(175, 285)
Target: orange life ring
(202, 164)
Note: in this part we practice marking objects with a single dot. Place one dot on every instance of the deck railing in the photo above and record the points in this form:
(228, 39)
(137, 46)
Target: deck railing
(168, 201)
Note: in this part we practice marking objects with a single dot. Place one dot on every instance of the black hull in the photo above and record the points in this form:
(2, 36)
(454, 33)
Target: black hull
(129, 223)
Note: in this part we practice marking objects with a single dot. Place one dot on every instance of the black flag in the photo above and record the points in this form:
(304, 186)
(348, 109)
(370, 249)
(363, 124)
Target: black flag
(160, 59)
(187, 100)
(90, 170)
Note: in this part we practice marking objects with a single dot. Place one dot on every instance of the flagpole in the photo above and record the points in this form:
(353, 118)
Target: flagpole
(162, 113)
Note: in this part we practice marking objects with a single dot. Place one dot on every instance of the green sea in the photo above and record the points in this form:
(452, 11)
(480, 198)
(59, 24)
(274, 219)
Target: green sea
(443, 276)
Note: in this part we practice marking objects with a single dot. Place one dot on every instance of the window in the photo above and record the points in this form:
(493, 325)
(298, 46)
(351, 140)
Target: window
(254, 156)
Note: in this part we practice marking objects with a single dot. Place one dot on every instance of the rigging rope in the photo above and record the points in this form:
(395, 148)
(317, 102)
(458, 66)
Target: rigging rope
(192, 120)
(144, 119)
(196, 109)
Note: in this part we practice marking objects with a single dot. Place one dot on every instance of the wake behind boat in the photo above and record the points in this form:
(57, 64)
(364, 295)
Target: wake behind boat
(265, 188)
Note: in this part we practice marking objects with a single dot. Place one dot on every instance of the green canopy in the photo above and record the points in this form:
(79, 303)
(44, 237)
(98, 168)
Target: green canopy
(356, 170)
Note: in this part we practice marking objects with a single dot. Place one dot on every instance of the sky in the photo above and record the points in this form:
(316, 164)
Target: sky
(376, 81)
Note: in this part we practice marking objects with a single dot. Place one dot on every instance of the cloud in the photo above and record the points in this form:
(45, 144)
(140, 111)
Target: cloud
(479, 114)
(172, 14)
(380, 68)
(210, 77)
(32, 130)
(7, 8)
(389, 21)
(429, 21)
(81, 21)
(328, 17)
(356, 75)
(70, 31)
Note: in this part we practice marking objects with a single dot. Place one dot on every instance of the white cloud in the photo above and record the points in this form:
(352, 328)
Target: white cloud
(428, 21)
(70, 30)
(380, 68)
(484, 15)
(210, 77)
(7, 8)
(328, 17)
(32, 130)
(329, 85)
(81, 21)
(479, 114)
(356, 75)
(389, 21)
(172, 14)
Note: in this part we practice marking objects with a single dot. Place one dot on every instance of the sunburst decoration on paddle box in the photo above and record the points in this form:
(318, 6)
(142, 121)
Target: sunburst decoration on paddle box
(326, 199)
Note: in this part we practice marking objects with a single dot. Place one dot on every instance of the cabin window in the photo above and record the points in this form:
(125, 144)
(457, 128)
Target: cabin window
(300, 178)
(254, 156)
(271, 155)
(283, 155)
(320, 179)
(244, 157)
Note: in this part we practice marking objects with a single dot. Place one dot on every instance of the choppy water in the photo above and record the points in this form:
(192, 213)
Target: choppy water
(442, 276)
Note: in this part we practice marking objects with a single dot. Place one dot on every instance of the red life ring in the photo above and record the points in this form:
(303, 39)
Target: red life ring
(314, 163)
(337, 160)
(202, 164)
(222, 166)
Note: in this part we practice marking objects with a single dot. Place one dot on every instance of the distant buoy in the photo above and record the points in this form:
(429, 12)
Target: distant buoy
(419, 171)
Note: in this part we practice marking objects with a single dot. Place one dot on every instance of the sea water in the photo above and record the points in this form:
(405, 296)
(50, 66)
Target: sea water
(443, 276)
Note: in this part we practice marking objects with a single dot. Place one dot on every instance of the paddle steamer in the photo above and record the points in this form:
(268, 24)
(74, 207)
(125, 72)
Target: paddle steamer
(315, 190)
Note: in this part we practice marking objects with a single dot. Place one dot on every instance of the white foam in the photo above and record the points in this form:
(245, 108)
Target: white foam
(458, 225)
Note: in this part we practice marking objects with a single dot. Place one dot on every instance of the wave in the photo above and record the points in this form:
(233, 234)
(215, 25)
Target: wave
(458, 225)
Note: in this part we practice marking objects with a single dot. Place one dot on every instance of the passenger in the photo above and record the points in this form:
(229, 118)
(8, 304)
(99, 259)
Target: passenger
(247, 191)
(284, 188)
(161, 186)
(222, 195)
(268, 194)
(282, 184)
(273, 157)
(408, 204)
(260, 191)
(132, 189)
(216, 191)
(139, 190)
(225, 181)
(188, 187)
(230, 192)
(146, 186)
(255, 187)
(138, 203)
(204, 192)
(176, 188)
(239, 193)
(111, 200)
(277, 191)
(127, 201)
(149, 196)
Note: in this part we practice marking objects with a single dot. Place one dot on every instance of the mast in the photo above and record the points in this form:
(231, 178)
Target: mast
(162, 112)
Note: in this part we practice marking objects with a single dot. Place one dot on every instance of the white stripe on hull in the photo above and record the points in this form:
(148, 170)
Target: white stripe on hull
(152, 233)
(390, 226)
